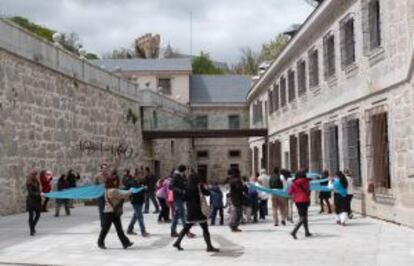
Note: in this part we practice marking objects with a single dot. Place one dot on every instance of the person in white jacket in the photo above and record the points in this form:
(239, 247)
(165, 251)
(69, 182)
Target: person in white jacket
(263, 180)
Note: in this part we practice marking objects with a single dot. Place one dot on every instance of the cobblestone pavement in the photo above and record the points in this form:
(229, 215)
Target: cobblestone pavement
(72, 241)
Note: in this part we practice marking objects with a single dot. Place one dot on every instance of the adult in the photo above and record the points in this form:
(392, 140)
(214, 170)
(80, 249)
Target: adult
(72, 178)
(114, 199)
(162, 195)
(287, 179)
(46, 178)
(33, 200)
(324, 196)
(99, 179)
(151, 183)
(263, 180)
(237, 196)
(340, 185)
(277, 181)
(197, 211)
(216, 203)
(62, 184)
(137, 202)
(300, 190)
(351, 189)
(178, 186)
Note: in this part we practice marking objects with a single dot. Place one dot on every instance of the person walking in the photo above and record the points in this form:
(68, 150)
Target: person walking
(151, 183)
(340, 186)
(178, 186)
(137, 202)
(162, 195)
(62, 185)
(300, 191)
(277, 181)
(351, 189)
(99, 179)
(216, 203)
(263, 180)
(197, 211)
(46, 178)
(72, 178)
(33, 200)
(114, 199)
(324, 196)
(237, 196)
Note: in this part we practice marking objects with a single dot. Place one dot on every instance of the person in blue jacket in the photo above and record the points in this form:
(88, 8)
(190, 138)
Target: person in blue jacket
(340, 186)
(216, 203)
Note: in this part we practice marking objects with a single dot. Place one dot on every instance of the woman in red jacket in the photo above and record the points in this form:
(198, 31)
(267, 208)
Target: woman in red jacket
(46, 178)
(300, 191)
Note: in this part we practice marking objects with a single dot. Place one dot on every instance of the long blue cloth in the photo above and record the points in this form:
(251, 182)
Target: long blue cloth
(86, 192)
(284, 192)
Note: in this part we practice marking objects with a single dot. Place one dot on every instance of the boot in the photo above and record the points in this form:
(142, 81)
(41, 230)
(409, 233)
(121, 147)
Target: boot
(210, 247)
(305, 224)
(177, 243)
(295, 230)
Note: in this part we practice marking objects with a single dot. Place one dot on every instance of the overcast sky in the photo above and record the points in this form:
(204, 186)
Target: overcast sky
(220, 27)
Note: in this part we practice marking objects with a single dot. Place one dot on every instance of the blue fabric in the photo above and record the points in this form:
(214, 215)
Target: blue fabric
(319, 181)
(86, 192)
(272, 191)
(339, 188)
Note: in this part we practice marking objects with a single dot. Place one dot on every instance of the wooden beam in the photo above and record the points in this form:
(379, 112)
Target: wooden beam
(204, 133)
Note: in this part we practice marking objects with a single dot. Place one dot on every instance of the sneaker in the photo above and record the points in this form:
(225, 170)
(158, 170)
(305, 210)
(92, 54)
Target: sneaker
(293, 235)
(308, 235)
(177, 246)
(213, 249)
(131, 233)
(236, 230)
(283, 223)
(276, 224)
(101, 246)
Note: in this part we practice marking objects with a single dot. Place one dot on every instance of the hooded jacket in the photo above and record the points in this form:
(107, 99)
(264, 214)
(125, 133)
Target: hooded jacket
(300, 190)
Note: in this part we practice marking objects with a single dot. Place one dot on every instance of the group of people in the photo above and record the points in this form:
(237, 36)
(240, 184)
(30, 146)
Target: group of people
(181, 197)
(39, 183)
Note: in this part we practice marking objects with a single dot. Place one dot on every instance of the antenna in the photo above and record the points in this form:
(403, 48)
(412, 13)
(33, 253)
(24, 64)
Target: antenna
(191, 32)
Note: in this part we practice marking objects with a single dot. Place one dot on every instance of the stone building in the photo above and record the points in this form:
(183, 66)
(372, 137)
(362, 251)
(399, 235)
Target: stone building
(340, 96)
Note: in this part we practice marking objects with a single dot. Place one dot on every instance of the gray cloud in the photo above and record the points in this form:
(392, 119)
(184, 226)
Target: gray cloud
(220, 27)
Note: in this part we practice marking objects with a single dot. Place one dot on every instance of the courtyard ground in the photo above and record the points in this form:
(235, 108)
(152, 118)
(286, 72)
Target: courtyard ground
(72, 241)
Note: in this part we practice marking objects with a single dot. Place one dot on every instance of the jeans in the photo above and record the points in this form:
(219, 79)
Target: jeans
(263, 209)
(59, 203)
(303, 220)
(101, 206)
(214, 214)
(150, 195)
(34, 216)
(137, 216)
(108, 220)
(178, 214)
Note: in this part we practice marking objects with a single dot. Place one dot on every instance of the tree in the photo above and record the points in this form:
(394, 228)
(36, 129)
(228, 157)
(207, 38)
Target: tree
(121, 53)
(271, 50)
(91, 56)
(248, 63)
(38, 30)
(202, 64)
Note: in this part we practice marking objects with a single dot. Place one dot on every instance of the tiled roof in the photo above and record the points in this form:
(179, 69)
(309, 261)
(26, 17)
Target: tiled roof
(219, 88)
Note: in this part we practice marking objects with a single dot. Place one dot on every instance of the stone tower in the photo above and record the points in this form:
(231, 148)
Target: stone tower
(148, 46)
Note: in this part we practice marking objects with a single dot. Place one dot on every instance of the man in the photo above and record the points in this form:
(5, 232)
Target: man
(263, 180)
(151, 183)
(237, 195)
(99, 179)
(137, 201)
(178, 186)
(278, 203)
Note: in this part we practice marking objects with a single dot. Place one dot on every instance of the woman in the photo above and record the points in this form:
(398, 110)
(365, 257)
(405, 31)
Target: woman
(62, 184)
(196, 212)
(114, 199)
(216, 203)
(350, 190)
(300, 190)
(33, 200)
(324, 196)
(340, 185)
(46, 178)
(162, 194)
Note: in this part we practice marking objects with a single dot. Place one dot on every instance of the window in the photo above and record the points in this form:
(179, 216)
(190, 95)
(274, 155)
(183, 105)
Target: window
(291, 85)
(316, 150)
(313, 68)
(201, 122)
(275, 155)
(351, 149)
(154, 119)
(264, 161)
(276, 97)
(301, 77)
(374, 24)
(234, 153)
(202, 170)
(270, 100)
(234, 121)
(329, 55)
(347, 42)
(172, 148)
(164, 84)
(234, 166)
(303, 150)
(282, 92)
(331, 154)
(202, 154)
(293, 146)
(257, 112)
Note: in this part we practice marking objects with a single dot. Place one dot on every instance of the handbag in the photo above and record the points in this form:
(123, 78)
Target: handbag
(170, 196)
(205, 209)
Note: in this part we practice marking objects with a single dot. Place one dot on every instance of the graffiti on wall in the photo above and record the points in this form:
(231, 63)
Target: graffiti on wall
(123, 149)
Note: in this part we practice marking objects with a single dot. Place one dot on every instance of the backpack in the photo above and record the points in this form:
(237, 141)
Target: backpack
(275, 182)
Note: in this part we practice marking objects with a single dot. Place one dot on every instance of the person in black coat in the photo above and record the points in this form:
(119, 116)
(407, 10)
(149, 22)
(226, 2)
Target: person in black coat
(137, 202)
(196, 203)
(151, 182)
(72, 178)
(33, 201)
(324, 196)
(238, 193)
(62, 185)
